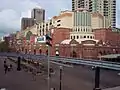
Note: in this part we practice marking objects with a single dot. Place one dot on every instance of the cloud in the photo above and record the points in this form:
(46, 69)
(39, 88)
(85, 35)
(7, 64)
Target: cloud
(11, 12)
(53, 7)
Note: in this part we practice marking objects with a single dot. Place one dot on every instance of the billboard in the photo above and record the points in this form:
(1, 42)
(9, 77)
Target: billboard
(41, 39)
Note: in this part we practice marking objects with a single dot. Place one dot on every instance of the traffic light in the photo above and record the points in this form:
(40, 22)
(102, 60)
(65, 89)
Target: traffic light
(48, 40)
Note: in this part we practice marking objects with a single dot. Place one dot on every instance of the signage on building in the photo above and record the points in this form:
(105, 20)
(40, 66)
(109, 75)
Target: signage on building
(41, 39)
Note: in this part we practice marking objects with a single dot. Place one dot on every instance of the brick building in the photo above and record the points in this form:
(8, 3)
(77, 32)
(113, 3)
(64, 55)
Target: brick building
(105, 42)
(108, 36)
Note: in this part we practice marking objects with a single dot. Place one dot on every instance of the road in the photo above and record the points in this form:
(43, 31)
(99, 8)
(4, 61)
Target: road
(79, 77)
(73, 78)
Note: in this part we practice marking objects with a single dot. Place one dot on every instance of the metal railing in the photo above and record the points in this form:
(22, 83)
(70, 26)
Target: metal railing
(96, 63)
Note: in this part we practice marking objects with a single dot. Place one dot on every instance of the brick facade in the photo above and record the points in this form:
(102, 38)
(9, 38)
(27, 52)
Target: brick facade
(107, 36)
(88, 49)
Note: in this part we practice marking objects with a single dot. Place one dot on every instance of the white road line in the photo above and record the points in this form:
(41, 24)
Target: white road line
(65, 65)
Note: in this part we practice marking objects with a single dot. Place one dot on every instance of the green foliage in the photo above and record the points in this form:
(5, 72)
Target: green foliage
(4, 47)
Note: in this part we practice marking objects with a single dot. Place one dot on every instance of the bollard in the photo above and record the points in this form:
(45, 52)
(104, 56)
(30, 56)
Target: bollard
(97, 78)
(18, 64)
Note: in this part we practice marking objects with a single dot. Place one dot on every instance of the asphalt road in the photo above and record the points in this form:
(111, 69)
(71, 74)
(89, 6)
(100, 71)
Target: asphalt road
(79, 77)
(73, 78)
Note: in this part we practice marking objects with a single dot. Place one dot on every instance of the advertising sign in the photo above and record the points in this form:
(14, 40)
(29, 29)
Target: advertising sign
(41, 39)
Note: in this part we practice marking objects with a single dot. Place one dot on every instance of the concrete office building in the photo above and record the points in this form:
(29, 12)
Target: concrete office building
(38, 14)
(105, 7)
(27, 22)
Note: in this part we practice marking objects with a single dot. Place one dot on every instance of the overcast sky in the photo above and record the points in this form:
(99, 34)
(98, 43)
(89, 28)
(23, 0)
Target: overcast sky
(11, 11)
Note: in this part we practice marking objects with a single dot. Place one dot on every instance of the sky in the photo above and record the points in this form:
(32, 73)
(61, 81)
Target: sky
(11, 12)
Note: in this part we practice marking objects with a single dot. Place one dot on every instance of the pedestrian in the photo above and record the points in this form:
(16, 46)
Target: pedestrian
(33, 75)
(11, 67)
(5, 67)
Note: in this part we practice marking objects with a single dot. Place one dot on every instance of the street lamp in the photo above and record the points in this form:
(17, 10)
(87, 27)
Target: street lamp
(48, 56)
(61, 68)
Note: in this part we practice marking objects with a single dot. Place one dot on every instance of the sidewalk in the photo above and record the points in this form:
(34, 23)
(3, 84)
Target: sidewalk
(19, 80)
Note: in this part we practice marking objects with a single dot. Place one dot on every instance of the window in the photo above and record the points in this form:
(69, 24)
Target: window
(50, 23)
(87, 36)
(58, 25)
(71, 37)
(58, 20)
(84, 30)
(91, 37)
(78, 29)
(84, 36)
(46, 24)
(74, 37)
(77, 37)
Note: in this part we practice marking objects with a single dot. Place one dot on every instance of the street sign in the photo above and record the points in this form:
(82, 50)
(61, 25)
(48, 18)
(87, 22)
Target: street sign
(41, 39)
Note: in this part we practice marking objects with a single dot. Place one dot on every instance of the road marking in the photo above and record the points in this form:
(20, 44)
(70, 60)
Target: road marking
(70, 66)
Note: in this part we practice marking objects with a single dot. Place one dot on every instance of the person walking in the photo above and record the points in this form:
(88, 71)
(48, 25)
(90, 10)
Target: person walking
(5, 67)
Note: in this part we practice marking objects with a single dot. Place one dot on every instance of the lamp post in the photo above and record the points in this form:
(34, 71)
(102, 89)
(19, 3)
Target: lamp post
(61, 68)
(48, 56)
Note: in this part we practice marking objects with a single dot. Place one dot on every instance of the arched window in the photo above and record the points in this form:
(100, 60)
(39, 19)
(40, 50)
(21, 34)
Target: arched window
(34, 51)
(104, 52)
(100, 52)
(87, 36)
(28, 35)
(77, 37)
(91, 37)
(40, 51)
(84, 30)
(74, 37)
(71, 37)
(74, 54)
(46, 52)
(84, 36)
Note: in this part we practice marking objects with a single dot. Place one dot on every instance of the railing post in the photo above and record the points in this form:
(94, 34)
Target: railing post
(97, 78)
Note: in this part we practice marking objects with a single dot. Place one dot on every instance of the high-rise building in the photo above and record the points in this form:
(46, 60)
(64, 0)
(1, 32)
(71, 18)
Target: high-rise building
(27, 22)
(105, 7)
(38, 14)
(81, 4)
